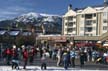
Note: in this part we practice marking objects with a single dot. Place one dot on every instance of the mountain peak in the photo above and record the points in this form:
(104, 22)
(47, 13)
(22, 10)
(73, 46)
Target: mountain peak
(32, 16)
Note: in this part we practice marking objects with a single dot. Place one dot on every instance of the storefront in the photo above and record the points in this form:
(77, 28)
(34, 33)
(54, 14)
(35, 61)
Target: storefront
(55, 40)
(80, 44)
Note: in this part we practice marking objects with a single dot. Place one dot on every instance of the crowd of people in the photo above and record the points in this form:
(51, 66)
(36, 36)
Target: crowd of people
(65, 56)
(13, 55)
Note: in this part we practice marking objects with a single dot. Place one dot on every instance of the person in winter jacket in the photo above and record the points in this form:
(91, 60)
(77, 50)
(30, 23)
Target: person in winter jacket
(82, 58)
(31, 55)
(8, 55)
(15, 59)
(72, 57)
(59, 57)
(45, 56)
(25, 57)
(65, 60)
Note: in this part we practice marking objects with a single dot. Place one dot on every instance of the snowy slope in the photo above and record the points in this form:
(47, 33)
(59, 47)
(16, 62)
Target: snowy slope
(31, 17)
(51, 23)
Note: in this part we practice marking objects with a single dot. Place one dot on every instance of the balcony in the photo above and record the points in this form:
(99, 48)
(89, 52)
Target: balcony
(88, 16)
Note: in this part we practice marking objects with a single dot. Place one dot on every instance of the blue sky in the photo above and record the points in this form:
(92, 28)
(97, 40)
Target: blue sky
(14, 8)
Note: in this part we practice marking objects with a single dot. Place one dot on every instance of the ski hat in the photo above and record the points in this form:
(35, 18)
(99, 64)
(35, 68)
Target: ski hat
(14, 46)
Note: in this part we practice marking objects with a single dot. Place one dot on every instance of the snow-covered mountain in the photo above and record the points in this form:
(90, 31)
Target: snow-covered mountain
(52, 23)
(31, 17)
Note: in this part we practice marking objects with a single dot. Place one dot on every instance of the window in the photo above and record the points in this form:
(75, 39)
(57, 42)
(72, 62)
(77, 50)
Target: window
(105, 21)
(66, 24)
(73, 22)
(74, 16)
(70, 24)
(70, 18)
(88, 16)
(94, 15)
(69, 29)
(94, 21)
(104, 27)
(88, 29)
(66, 18)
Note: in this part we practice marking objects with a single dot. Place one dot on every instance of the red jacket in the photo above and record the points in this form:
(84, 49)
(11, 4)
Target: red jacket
(25, 55)
(8, 51)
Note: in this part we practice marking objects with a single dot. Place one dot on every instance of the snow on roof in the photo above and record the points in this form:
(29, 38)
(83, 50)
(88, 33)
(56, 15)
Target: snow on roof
(2, 32)
(88, 10)
(96, 7)
(14, 33)
(70, 13)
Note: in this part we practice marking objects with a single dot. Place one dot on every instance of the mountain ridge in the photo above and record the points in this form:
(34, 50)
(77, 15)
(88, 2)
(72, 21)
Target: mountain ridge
(49, 21)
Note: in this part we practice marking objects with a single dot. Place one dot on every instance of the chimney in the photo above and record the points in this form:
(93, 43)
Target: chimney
(105, 2)
(69, 7)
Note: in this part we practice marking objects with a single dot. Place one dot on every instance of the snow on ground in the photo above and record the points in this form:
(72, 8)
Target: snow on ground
(37, 68)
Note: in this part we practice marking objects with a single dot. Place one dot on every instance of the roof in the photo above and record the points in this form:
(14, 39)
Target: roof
(70, 13)
(14, 33)
(2, 32)
(88, 10)
(96, 7)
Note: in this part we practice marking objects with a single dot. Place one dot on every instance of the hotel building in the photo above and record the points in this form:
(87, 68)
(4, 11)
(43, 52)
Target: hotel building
(89, 21)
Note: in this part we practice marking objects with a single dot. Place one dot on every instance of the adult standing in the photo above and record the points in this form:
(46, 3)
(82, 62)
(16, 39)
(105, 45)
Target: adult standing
(58, 57)
(72, 55)
(65, 60)
(82, 58)
(31, 55)
(25, 57)
(8, 55)
(15, 59)
(44, 58)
